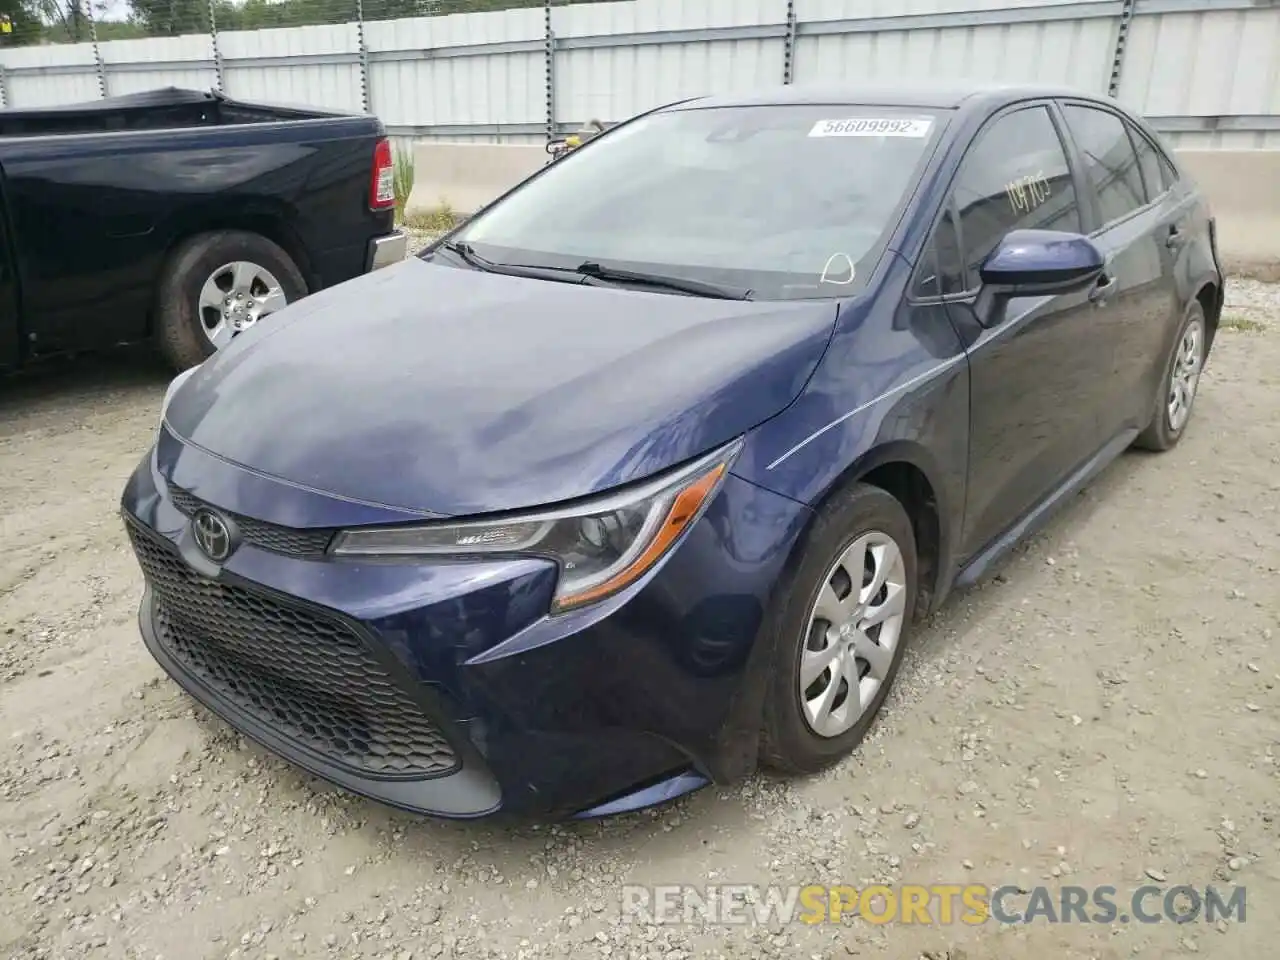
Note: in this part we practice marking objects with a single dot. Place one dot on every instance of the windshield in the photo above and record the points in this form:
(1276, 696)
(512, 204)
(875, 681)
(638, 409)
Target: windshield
(787, 202)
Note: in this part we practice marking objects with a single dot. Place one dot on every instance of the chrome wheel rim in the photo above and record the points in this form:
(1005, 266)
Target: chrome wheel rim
(853, 632)
(235, 297)
(1185, 377)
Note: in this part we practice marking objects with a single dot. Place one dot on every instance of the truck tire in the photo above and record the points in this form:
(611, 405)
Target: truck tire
(217, 284)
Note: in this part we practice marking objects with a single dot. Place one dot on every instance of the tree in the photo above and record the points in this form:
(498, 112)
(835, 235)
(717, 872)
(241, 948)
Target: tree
(173, 17)
(25, 25)
(59, 21)
(170, 18)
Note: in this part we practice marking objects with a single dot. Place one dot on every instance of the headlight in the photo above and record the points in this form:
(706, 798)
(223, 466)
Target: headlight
(174, 384)
(602, 544)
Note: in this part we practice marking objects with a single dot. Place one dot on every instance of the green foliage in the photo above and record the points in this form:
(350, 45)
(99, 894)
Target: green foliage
(258, 14)
(120, 30)
(1240, 323)
(168, 18)
(68, 21)
(61, 21)
(173, 17)
(34, 21)
(27, 27)
(442, 219)
(402, 178)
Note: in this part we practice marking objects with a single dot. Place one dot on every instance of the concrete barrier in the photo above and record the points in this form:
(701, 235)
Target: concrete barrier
(1242, 185)
(466, 176)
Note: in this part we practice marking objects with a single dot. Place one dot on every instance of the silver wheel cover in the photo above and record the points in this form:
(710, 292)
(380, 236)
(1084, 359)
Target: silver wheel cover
(1184, 379)
(853, 632)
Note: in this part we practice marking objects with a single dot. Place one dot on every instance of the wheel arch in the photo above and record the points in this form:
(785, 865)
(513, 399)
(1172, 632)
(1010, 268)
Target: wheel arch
(907, 471)
(1211, 296)
(269, 219)
(912, 476)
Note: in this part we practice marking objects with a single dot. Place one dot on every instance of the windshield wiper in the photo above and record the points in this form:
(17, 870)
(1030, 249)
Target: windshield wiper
(467, 254)
(700, 288)
(594, 271)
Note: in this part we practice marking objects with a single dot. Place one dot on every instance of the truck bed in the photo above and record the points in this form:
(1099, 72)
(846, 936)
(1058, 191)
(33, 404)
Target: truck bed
(164, 109)
(97, 198)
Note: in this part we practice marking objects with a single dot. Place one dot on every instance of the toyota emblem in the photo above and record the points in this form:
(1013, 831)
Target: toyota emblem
(212, 535)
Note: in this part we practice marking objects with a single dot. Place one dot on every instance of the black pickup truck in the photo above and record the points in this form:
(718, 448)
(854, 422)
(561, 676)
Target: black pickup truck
(180, 217)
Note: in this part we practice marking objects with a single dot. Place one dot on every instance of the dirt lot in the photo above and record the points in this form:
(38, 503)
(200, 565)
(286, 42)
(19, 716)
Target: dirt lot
(1104, 711)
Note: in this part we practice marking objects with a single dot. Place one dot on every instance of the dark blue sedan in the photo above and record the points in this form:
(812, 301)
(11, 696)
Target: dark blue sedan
(638, 479)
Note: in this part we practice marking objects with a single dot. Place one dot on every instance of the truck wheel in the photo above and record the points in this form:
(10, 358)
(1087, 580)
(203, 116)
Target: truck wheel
(217, 285)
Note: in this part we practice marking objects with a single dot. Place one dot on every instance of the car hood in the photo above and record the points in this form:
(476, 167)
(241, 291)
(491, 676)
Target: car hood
(450, 391)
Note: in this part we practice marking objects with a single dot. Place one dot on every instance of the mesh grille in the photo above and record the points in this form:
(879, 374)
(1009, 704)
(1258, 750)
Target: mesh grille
(307, 677)
(306, 544)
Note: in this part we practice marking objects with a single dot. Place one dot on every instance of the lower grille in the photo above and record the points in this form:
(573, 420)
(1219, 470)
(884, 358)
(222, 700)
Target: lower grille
(290, 542)
(307, 677)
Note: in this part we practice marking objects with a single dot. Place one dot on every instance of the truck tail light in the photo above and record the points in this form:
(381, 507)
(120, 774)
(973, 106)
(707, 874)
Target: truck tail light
(382, 192)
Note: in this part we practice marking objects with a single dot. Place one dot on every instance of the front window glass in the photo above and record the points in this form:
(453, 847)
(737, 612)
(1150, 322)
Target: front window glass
(790, 202)
(1015, 177)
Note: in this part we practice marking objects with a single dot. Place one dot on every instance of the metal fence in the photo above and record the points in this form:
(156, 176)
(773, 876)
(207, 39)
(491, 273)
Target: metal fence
(1205, 71)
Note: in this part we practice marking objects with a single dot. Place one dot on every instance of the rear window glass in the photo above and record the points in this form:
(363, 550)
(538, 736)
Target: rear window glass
(1149, 160)
(1109, 161)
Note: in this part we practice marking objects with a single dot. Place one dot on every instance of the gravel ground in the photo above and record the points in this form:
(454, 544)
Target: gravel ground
(1103, 711)
(419, 238)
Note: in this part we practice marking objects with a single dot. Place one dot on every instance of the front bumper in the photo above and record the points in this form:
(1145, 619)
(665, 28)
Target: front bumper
(630, 702)
(386, 250)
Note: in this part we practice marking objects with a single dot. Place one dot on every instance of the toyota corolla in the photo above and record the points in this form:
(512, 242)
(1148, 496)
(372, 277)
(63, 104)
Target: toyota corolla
(638, 479)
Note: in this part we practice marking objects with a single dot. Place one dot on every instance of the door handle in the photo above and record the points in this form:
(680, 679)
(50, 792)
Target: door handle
(1175, 238)
(1102, 290)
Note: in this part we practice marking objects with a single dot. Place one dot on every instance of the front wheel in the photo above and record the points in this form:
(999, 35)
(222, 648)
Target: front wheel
(217, 285)
(1179, 384)
(844, 622)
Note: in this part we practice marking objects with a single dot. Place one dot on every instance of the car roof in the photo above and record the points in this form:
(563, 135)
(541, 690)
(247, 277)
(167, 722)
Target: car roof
(952, 96)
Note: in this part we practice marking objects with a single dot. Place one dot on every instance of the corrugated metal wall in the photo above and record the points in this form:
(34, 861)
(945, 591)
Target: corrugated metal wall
(1020, 46)
(1207, 70)
(1220, 63)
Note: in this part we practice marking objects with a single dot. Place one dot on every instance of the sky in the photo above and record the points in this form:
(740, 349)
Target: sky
(114, 10)
(118, 9)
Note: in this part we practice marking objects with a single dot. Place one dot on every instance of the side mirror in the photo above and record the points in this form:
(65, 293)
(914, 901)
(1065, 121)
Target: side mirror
(1034, 263)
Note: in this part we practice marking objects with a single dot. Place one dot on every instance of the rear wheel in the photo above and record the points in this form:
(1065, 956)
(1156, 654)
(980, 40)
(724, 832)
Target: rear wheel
(217, 285)
(844, 619)
(1179, 384)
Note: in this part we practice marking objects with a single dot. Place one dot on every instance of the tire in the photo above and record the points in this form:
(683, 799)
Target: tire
(790, 743)
(1165, 430)
(180, 328)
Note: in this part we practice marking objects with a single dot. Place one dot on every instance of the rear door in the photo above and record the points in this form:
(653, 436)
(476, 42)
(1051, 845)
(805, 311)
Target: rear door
(1183, 230)
(1132, 226)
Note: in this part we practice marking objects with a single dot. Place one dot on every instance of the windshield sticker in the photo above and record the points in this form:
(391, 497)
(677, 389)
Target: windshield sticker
(872, 127)
(837, 260)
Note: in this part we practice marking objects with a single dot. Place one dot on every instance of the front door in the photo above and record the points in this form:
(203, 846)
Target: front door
(1035, 368)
